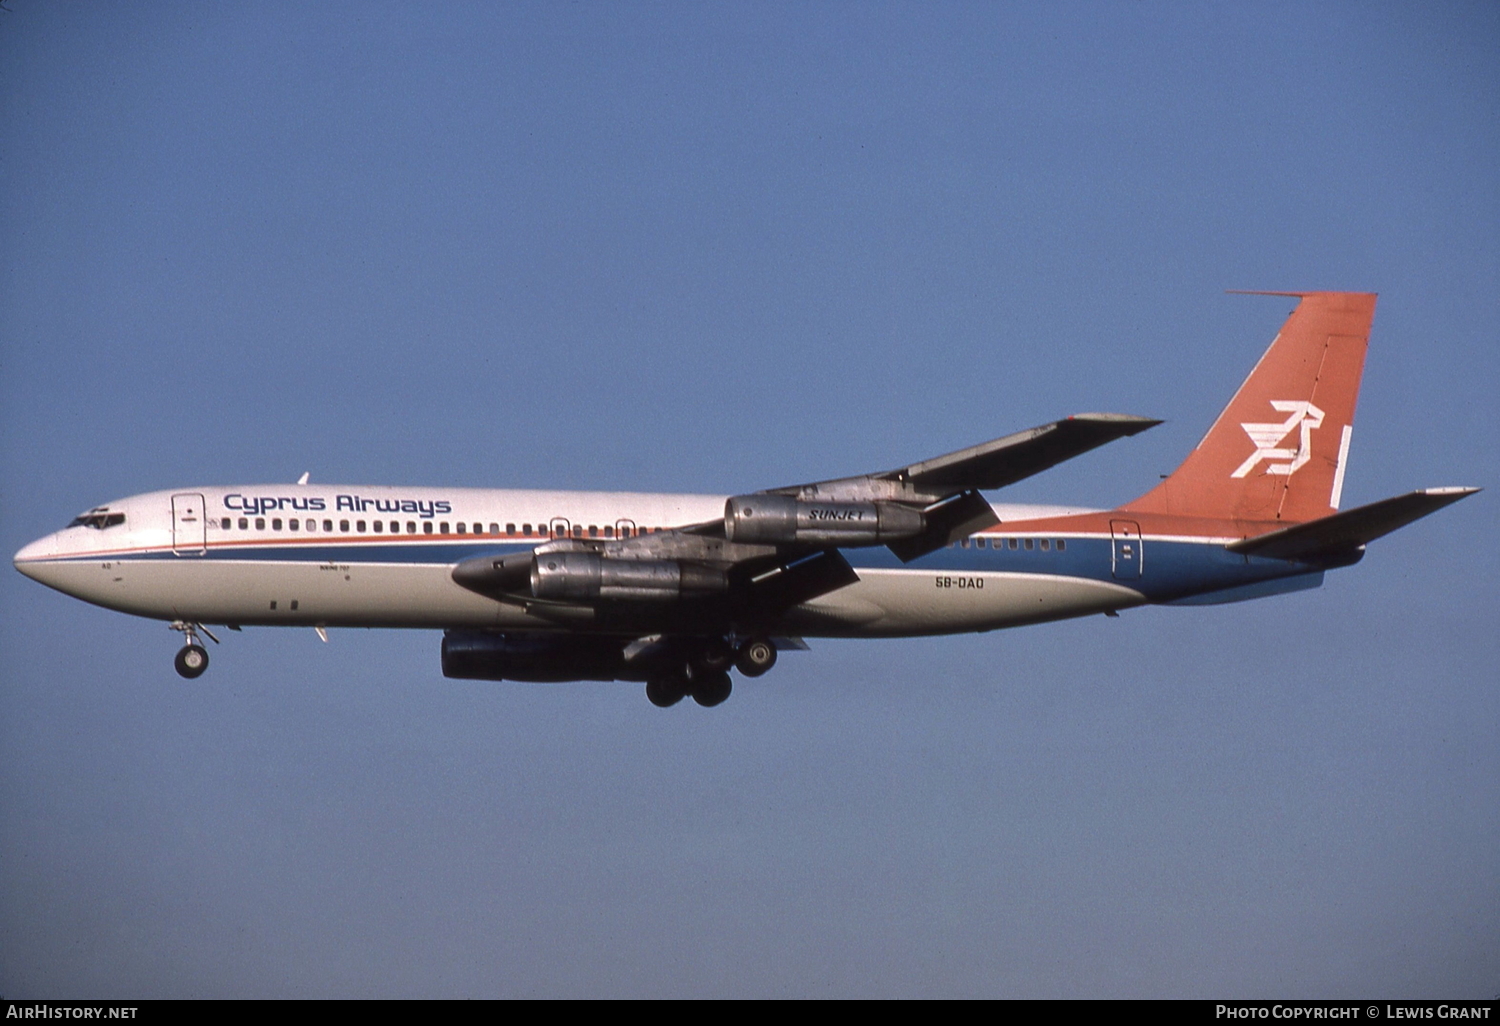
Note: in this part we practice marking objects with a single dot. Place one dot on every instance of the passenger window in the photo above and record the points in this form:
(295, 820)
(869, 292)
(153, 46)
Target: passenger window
(379, 526)
(510, 529)
(411, 527)
(1013, 543)
(312, 525)
(1061, 544)
(291, 525)
(276, 524)
(593, 530)
(494, 529)
(1028, 544)
(260, 523)
(577, 530)
(461, 527)
(359, 526)
(328, 525)
(244, 524)
(609, 532)
(443, 528)
(478, 528)
(1046, 544)
(343, 525)
(526, 529)
(427, 527)
(224, 525)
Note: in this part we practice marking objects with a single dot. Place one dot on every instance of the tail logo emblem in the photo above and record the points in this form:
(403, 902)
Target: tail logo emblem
(1268, 438)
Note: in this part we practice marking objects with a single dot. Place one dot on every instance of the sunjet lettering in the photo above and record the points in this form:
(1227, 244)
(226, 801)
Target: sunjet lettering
(835, 514)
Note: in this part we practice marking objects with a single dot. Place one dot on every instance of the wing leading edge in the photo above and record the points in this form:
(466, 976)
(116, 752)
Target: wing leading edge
(987, 466)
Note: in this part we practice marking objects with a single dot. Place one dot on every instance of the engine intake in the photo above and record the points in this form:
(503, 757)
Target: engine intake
(769, 519)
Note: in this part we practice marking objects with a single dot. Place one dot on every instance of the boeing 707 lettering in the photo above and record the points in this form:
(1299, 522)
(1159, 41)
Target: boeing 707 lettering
(676, 590)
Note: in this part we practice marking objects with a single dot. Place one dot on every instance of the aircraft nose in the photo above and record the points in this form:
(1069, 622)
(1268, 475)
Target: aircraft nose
(33, 559)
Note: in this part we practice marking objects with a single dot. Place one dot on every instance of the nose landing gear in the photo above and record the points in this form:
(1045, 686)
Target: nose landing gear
(192, 658)
(191, 661)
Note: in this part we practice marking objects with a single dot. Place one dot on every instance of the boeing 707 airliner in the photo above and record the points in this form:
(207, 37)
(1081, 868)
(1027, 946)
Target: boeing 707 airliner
(675, 590)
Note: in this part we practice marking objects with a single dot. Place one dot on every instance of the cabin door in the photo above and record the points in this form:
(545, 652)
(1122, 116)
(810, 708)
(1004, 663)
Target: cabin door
(1125, 549)
(189, 528)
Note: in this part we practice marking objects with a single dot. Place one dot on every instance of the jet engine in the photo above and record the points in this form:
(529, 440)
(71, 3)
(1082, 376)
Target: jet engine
(539, 658)
(769, 519)
(588, 576)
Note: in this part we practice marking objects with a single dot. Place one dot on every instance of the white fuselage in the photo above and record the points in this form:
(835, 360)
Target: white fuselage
(374, 556)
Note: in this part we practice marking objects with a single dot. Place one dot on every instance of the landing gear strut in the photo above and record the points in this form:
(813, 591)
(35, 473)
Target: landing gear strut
(192, 659)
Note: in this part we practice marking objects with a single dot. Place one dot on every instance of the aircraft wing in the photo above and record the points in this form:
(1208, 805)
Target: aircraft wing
(1014, 457)
(945, 489)
(989, 465)
(775, 549)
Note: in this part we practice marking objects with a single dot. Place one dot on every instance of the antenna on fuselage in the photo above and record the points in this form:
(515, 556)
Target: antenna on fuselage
(303, 479)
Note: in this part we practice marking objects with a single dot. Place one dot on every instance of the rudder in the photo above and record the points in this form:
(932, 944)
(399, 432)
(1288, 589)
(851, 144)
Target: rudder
(1278, 450)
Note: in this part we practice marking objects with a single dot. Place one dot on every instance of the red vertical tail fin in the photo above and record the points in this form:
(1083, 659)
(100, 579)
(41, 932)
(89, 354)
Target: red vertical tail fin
(1277, 452)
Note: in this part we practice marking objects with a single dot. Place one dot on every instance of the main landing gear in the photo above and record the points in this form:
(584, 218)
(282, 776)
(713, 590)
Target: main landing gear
(705, 674)
(755, 657)
(707, 688)
(192, 658)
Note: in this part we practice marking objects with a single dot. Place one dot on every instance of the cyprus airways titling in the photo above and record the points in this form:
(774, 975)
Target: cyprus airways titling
(258, 504)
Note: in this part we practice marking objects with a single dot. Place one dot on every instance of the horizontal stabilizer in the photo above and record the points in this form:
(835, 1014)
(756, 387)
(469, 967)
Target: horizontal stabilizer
(1008, 460)
(1337, 535)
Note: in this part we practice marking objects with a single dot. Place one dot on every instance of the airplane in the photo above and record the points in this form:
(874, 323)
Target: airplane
(675, 590)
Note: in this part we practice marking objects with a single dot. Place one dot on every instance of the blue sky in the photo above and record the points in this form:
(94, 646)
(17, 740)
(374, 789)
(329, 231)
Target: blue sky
(718, 248)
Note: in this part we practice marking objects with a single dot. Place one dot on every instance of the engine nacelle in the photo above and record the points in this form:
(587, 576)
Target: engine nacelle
(771, 519)
(557, 658)
(589, 577)
(541, 658)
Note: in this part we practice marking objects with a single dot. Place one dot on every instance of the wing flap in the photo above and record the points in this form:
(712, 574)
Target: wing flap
(785, 585)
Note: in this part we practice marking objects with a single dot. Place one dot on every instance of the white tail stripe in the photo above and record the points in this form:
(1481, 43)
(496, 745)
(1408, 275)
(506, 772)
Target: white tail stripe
(1338, 470)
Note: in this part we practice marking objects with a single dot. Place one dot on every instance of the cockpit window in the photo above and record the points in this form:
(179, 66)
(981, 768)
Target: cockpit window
(98, 519)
